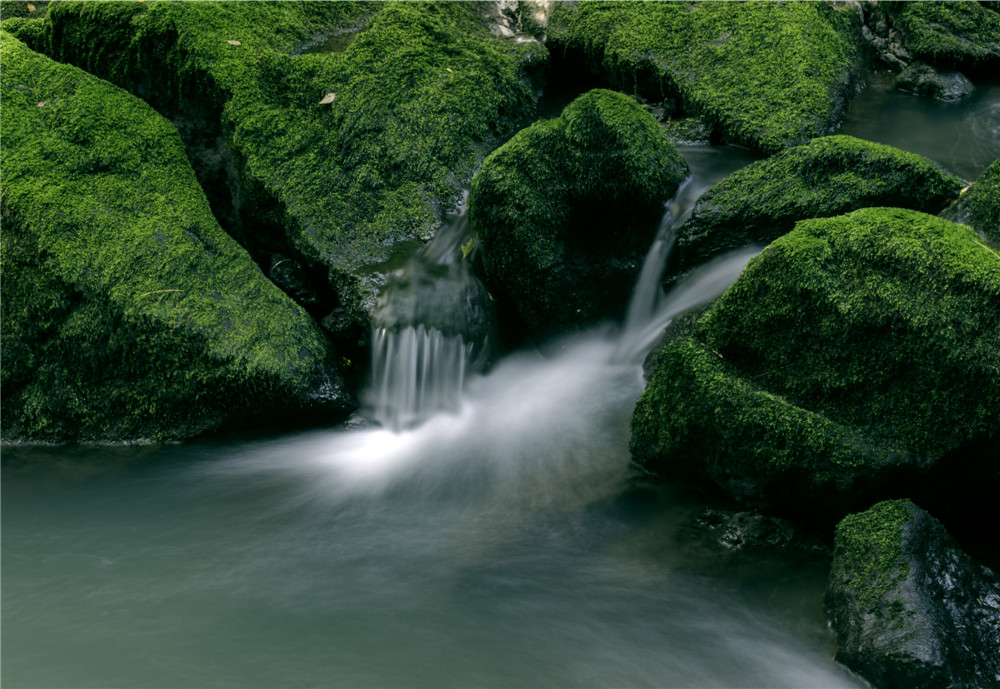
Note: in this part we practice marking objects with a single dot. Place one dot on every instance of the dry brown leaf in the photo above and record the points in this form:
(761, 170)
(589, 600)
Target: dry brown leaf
(328, 98)
(42, 104)
(231, 42)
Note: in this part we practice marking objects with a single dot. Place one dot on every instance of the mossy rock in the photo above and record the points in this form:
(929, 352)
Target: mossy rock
(768, 75)
(350, 155)
(854, 352)
(127, 312)
(828, 176)
(909, 608)
(952, 35)
(980, 205)
(565, 210)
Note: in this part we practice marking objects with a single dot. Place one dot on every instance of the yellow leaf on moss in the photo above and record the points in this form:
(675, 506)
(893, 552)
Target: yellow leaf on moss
(231, 42)
(328, 98)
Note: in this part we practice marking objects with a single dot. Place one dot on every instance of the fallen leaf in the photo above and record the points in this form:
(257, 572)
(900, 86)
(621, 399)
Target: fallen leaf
(42, 104)
(328, 98)
(31, 8)
(231, 42)
(449, 69)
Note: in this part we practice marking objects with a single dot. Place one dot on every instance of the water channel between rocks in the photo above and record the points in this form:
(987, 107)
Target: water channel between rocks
(505, 543)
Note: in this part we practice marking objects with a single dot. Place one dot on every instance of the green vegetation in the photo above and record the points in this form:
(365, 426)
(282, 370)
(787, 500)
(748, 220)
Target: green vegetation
(952, 34)
(768, 74)
(828, 176)
(980, 205)
(418, 98)
(566, 209)
(127, 311)
(853, 349)
(868, 555)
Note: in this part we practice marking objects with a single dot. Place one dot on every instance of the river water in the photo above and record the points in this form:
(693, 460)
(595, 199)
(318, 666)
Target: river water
(504, 543)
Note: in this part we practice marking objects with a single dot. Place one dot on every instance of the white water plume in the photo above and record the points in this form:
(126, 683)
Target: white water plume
(416, 373)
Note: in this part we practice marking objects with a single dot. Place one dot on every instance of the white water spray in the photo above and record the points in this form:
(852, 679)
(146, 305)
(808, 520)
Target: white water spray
(432, 326)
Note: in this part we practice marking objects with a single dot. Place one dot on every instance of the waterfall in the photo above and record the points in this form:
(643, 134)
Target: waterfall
(416, 372)
(650, 309)
(432, 326)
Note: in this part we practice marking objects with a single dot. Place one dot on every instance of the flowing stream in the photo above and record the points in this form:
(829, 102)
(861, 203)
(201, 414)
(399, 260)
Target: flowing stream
(492, 535)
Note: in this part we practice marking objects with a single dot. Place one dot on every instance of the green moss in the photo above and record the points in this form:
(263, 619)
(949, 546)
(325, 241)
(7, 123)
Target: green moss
(828, 176)
(421, 94)
(769, 75)
(565, 210)
(980, 205)
(851, 348)
(952, 34)
(127, 311)
(868, 553)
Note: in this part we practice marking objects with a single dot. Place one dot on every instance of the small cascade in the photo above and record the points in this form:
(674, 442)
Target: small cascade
(433, 325)
(417, 372)
(650, 309)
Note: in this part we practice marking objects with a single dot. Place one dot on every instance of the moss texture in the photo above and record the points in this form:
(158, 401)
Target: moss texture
(566, 209)
(420, 95)
(962, 35)
(852, 351)
(980, 205)
(828, 176)
(127, 311)
(909, 608)
(868, 550)
(769, 75)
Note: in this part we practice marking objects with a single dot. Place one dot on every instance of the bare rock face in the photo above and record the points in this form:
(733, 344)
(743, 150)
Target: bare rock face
(921, 79)
(910, 609)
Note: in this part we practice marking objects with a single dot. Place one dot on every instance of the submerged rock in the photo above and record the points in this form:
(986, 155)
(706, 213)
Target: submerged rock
(828, 176)
(921, 79)
(768, 75)
(566, 210)
(855, 352)
(980, 205)
(344, 157)
(127, 312)
(909, 608)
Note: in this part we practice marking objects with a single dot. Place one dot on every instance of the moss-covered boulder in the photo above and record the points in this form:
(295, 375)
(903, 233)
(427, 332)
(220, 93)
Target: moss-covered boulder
(953, 35)
(345, 156)
(768, 75)
(854, 353)
(828, 176)
(565, 210)
(980, 205)
(127, 311)
(909, 608)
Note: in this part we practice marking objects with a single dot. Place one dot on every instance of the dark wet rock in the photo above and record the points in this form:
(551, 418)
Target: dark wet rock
(852, 355)
(566, 210)
(752, 532)
(979, 206)
(127, 312)
(828, 176)
(311, 292)
(766, 75)
(886, 41)
(921, 79)
(909, 608)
